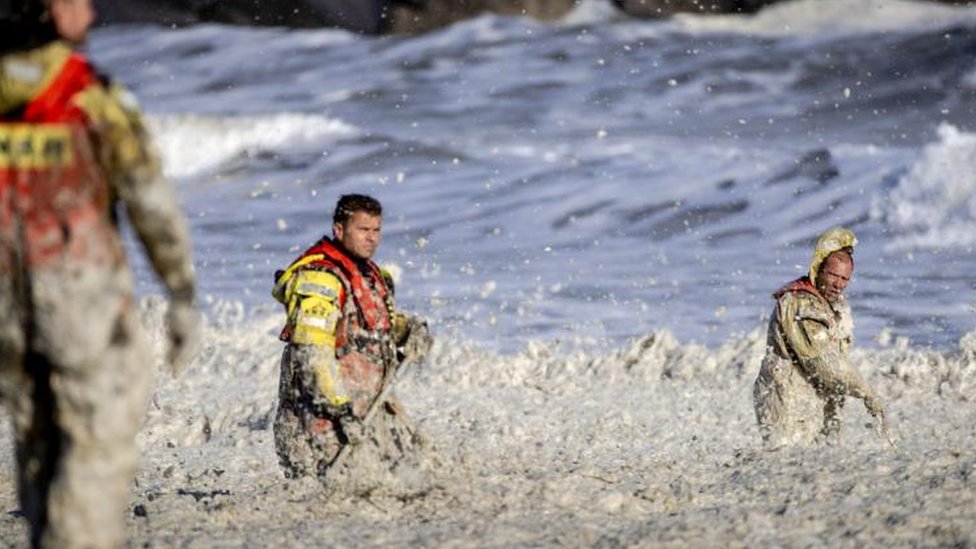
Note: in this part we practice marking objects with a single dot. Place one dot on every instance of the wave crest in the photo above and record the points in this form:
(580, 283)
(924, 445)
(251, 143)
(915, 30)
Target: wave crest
(934, 204)
(196, 144)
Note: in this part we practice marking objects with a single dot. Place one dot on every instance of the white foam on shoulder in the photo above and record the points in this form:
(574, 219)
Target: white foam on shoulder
(934, 204)
(836, 17)
(194, 144)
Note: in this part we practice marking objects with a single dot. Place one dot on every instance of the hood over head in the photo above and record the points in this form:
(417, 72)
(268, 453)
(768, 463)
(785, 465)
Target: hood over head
(832, 240)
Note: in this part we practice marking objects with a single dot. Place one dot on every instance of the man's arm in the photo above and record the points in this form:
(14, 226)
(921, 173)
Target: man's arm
(806, 327)
(313, 301)
(410, 332)
(132, 167)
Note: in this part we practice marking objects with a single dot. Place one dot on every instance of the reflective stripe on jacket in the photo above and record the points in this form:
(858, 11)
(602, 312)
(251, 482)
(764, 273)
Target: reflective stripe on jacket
(315, 290)
(54, 198)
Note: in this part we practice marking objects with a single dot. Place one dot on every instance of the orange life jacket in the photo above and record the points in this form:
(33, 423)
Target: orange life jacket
(369, 290)
(364, 343)
(798, 286)
(54, 198)
(802, 285)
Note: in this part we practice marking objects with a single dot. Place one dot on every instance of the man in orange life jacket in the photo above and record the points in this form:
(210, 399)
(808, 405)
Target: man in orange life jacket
(74, 373)
(805, 375)
(345, 339)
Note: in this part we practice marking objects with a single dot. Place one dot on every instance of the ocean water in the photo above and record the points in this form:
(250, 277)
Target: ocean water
(587, 181)
(593, 215)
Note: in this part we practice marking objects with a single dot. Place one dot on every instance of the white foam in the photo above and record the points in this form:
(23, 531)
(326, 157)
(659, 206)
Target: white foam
(194, 144)
(233, 381)
(588, 12)
(833, 18)
(934, 204)
(626, 439)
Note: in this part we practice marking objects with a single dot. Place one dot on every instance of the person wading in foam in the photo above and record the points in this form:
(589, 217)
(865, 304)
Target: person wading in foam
(345, 340)
(805, 375)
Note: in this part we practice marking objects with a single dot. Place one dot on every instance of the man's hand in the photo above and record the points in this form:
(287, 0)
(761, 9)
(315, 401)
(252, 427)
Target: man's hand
(353, 429)
(183, 322)
(418, 342)
(874, 406)
(348, 425)
(876, 409)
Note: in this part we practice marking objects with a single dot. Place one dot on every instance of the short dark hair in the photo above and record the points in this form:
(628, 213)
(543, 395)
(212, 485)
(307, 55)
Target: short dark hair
(25, 25)
(349, 204)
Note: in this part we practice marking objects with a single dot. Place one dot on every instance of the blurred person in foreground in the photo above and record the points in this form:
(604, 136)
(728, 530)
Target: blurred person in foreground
(345, 342)
(74, 364)
(806, 375)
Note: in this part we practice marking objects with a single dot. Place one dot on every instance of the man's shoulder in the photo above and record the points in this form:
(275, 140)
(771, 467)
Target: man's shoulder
(315, 280)
(326, 266)
(805, 305)
(24, 74)
(319, 270)
(800, 296)
(109, 101)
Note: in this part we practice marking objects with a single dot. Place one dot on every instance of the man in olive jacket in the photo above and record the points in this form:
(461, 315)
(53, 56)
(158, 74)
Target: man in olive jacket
(806, 375)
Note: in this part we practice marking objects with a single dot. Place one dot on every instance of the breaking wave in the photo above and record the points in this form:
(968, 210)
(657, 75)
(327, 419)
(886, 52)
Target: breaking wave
(934, 204)
(194, 145)
(834, 18)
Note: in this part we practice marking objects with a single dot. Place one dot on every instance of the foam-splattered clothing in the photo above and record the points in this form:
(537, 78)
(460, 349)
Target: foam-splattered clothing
(74, 367)
(342, 333)
(805, 374)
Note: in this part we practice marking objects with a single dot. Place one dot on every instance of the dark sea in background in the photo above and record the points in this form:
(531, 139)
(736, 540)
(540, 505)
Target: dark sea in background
(587, 181)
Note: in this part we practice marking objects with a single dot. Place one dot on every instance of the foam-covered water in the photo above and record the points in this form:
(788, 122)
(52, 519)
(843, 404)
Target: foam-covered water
(593, 215)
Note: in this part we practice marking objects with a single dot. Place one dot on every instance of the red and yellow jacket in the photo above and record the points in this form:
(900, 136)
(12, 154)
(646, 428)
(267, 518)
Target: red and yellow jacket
(72, 148)
(72, 144)
(54, 198)
(344, 311)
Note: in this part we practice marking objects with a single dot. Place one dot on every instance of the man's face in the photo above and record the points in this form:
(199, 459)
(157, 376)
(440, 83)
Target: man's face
(834, 275)
(360, 235)
(73, 18)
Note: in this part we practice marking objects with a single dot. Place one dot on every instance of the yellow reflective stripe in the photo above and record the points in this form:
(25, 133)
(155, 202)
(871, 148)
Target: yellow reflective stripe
(321, 285)
(292, 288)
(281, 287)
(329, 382)
(317, 283)
(304, 334)
(311, 329)
(312, 322)
(311, 288)
(290, 271)
(315, 318)
(35, 146)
